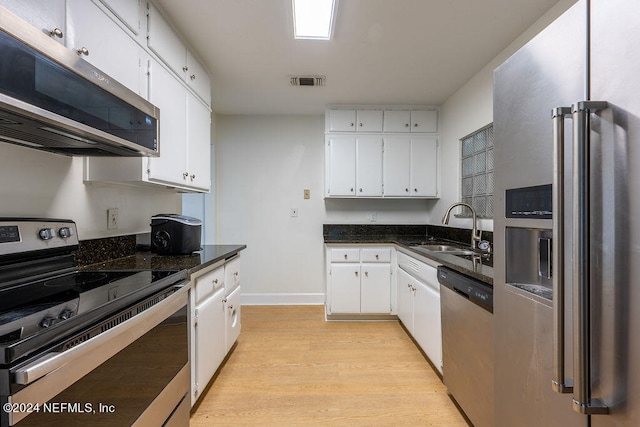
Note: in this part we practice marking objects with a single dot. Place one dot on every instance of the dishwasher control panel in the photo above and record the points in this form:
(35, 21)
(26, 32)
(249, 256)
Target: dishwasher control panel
(474, 290)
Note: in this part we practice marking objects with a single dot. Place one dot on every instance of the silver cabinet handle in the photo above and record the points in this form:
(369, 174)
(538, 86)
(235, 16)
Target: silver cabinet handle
(351, 124)
(558, 383)
(185, 175)
(406, 190)
(345, 256)
(406, 125)
(351, 190)
(193, 176)
(57, 32)
(83, 51)
(582, 400)
(185, 68)
(360, 190)
(366, 273)
(356, 274)
(360, 124)
(192, 76)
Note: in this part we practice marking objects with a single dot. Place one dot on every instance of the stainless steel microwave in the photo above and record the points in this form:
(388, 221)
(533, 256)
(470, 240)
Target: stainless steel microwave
(52, 100)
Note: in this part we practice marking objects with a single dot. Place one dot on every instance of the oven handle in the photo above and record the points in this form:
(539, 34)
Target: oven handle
(118, 337)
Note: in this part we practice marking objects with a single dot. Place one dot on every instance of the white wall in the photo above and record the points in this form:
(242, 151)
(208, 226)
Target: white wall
(39, 184)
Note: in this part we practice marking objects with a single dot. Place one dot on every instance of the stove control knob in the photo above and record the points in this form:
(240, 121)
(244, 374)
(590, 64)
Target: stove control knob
(47, 233)
(65, 232)
(65, 314)
(47, 321)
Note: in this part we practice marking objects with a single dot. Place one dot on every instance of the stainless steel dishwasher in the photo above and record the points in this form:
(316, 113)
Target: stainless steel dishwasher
(467, 343)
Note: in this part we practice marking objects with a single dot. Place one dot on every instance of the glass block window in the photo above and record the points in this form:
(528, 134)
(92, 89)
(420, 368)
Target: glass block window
(477, 172)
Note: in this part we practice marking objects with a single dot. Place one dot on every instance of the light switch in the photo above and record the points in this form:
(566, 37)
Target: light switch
(307, 194)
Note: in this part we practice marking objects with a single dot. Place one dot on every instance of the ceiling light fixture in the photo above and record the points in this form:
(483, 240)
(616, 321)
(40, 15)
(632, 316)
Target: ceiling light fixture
(313, 19)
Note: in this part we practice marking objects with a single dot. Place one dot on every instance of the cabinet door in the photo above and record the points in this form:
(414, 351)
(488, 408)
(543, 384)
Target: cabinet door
(427, 326)
(369, 166)
(209, 336)
(107, 46)
(424, 121)
(44, 15)
(165, 43)
(198, 79)
(375, 288)
(169, 95)
(198, 144)
(397, 121)
(127, 11)
(369, 120)
(396, 170)
(405, 299)
(341, 166)
(424, 167)
(232, 307)
(345, 288)
(342, 120)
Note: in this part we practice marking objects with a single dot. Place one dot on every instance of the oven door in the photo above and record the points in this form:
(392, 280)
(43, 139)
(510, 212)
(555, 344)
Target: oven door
(135, 373)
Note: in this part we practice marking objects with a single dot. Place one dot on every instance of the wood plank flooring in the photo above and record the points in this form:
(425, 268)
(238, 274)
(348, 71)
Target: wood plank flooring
(291, 368)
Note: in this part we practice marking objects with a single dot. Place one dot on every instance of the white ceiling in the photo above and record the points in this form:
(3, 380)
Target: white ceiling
(383, 51)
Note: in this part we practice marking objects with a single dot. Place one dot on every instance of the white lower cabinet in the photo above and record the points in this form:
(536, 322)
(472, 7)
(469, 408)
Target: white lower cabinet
(359, 280)
(215, 322)
(419, 305)
(232, 305)
(209, 340)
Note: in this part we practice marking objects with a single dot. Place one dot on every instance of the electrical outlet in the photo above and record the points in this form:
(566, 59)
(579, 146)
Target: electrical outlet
(294, 212)
(112, 219)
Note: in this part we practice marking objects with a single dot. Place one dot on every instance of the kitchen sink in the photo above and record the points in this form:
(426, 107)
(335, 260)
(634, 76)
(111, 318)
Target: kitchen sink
(449, 249)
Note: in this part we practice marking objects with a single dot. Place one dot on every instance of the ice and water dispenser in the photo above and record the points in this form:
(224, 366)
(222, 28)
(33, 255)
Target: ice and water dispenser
(529, 251)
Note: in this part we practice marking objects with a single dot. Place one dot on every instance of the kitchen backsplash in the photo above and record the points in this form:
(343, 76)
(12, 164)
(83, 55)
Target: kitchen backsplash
(407, 233)
(104, 249)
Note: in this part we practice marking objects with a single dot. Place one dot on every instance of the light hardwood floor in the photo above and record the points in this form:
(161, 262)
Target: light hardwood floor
(290, 368)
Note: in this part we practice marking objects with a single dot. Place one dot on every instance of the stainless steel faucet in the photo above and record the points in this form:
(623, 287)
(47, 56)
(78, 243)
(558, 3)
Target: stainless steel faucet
(476, 235)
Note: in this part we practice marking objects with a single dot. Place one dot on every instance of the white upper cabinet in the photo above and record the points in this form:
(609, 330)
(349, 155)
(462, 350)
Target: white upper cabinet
(97, 39)
(341, 120)
(198, 144)
(410, 166)
(424, 121)
(354, 166)
(47, 16)
(198, 78)
(165, 43)
(369, 120)
(127, 11)
(169, 95)
(404, 121)
(395, 155)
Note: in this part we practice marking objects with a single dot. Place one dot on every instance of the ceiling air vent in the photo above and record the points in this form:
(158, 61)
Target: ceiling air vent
(307, 80)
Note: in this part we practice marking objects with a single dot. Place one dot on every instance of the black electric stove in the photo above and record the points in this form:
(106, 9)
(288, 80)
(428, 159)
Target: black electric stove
(46, 300)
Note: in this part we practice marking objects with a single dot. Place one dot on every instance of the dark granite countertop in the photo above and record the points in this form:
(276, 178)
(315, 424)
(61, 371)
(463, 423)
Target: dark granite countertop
(209, 255)
(406, 237)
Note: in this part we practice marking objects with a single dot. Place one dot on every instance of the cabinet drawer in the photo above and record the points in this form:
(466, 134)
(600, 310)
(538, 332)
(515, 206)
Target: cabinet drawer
(345, 255)
(375, 255)
(208, 283)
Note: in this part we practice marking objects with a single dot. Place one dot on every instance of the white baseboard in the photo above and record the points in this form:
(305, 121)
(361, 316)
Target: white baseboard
(282, 299)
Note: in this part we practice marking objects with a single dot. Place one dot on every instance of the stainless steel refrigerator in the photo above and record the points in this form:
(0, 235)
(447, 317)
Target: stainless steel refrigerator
(567, 222)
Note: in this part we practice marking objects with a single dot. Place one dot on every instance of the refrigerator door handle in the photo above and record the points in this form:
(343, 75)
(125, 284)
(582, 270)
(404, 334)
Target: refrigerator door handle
(559, 383)
(582, 400)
